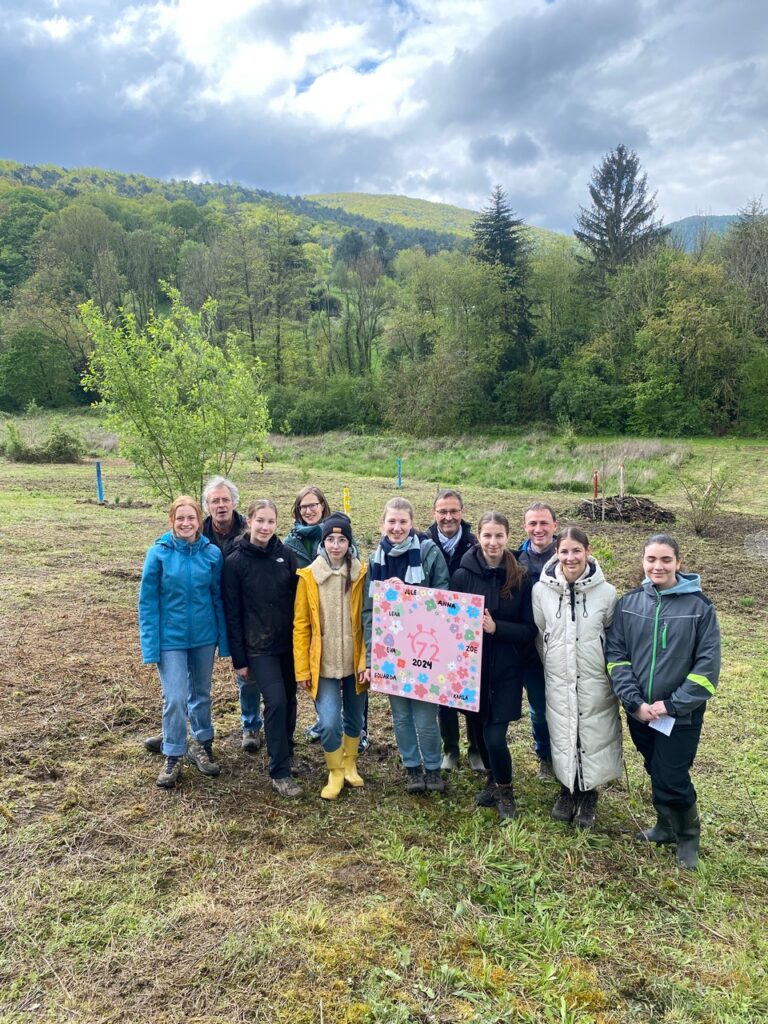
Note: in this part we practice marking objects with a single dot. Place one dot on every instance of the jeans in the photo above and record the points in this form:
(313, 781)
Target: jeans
(186, 680)
(448, 720)
(533, 680)
(250, 700)
(416, 732)
(272, 677)
(498, 760)
(668, 759)
(333, 695)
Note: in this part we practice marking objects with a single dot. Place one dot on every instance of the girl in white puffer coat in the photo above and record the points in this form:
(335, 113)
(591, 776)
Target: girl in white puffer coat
(573, 606)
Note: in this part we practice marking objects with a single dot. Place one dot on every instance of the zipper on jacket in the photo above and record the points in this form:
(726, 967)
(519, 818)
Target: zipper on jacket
(655, 643)
(188, 554)
(664, 637)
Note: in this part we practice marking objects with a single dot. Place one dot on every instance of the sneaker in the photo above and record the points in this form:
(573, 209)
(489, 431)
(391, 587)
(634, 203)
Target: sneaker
(586, 808)
(287, 788)
(312, 735)
(364, 742)
(487, 795)
(251, 740)
(450, 762)
(505, 803)
(170, 774)
(565, 806)
(434, 781)
(415, 781)
(154, 744)
(545, 773)
(476, 761)
(201, 756)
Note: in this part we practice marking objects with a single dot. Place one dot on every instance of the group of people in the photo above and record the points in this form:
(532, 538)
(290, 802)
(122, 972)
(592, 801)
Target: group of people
(297, 613)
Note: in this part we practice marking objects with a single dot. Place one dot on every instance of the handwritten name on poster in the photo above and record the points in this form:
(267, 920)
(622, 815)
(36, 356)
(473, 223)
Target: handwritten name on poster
(427, 644)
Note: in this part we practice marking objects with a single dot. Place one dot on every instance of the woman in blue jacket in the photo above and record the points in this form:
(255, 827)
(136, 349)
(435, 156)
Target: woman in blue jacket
(663, 653)
(181, 622)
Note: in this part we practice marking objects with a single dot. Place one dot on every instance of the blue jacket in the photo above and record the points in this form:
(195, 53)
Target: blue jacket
(664, 645)
(180, 602)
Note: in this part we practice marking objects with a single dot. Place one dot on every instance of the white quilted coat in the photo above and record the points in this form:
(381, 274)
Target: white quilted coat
(582, 711)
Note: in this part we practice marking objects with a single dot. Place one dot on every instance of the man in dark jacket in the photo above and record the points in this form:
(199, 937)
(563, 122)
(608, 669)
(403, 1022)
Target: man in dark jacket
(453, 535)
(540, 523)
(222, 526)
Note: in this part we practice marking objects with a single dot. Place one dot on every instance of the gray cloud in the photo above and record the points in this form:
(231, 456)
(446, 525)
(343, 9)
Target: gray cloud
(534, 104)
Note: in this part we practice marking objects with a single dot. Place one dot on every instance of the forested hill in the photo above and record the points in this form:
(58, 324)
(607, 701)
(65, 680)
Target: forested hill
(418, 213)
(693, 232)
(81, 181)
(367, 318)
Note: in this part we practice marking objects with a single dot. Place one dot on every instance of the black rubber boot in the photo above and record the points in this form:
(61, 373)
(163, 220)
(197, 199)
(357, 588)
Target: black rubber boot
(505, 803)
(661, 831)
(687, 828)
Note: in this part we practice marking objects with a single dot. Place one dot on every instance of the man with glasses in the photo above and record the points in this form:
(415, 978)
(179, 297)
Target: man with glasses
(453, 535)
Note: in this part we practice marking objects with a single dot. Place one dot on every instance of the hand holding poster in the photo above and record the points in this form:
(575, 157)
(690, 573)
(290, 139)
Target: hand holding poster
(427, 644)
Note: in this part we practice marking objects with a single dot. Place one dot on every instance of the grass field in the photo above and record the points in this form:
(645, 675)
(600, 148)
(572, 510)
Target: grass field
(219, 902)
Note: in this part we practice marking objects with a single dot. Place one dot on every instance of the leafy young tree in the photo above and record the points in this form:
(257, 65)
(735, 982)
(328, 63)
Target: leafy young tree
(619, 226)
(183, 406)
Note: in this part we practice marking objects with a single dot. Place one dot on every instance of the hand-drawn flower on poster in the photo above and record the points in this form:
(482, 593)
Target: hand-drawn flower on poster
(428, 645)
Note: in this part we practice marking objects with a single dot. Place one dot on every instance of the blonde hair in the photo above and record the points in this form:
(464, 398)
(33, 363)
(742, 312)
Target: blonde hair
(400, 504)
(185, 499)
(258, 503)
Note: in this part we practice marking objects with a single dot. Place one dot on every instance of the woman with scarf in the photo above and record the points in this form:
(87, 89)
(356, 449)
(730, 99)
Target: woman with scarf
(573, 607)
(405, 556)
(309, 510)
(329, 651)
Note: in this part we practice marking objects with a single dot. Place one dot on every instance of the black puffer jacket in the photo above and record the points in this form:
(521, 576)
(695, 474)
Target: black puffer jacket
(259, 587)
(506, 651)
(466, 541)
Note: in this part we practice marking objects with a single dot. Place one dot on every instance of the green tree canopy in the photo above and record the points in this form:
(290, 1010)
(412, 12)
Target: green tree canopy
(618, 227)
(182, 406)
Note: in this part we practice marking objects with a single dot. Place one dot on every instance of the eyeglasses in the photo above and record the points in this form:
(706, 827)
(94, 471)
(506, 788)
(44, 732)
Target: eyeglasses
(310, 508)
(444, 513)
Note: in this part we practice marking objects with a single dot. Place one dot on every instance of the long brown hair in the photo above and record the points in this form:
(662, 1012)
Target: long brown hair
(310, 489)
(516, 573)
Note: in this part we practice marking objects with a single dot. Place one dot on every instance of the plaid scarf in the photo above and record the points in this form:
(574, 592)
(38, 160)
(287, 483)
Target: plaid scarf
(390, 559)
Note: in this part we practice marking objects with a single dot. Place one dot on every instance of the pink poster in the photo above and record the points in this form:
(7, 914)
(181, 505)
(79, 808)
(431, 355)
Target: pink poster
(427, 644)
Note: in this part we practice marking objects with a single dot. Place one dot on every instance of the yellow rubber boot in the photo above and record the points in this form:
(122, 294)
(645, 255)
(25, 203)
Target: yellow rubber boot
(349, 746)
(335, 762)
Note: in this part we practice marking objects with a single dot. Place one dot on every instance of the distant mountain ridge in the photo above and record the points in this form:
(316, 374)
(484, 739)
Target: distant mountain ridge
(689, 231)
(79, 181)
(420, 213)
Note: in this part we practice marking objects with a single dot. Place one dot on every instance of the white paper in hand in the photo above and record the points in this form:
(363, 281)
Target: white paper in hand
(664, 724)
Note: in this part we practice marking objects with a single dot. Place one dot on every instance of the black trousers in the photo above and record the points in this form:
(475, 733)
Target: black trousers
(668, 759)
(273, 674)
(495, 752)
(448, 719)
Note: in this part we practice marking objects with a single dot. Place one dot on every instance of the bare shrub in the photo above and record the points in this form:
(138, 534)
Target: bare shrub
(705, 498)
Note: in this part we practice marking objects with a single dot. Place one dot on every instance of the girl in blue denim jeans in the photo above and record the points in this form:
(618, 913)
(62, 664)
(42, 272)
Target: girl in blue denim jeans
(415, 559)
(329, 651)
(181, 622)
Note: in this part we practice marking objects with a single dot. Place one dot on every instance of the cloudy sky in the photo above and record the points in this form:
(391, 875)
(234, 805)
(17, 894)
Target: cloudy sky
(439, 99)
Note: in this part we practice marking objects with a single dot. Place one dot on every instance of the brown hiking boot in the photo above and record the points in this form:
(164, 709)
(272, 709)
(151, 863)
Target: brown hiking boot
(171, 773)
